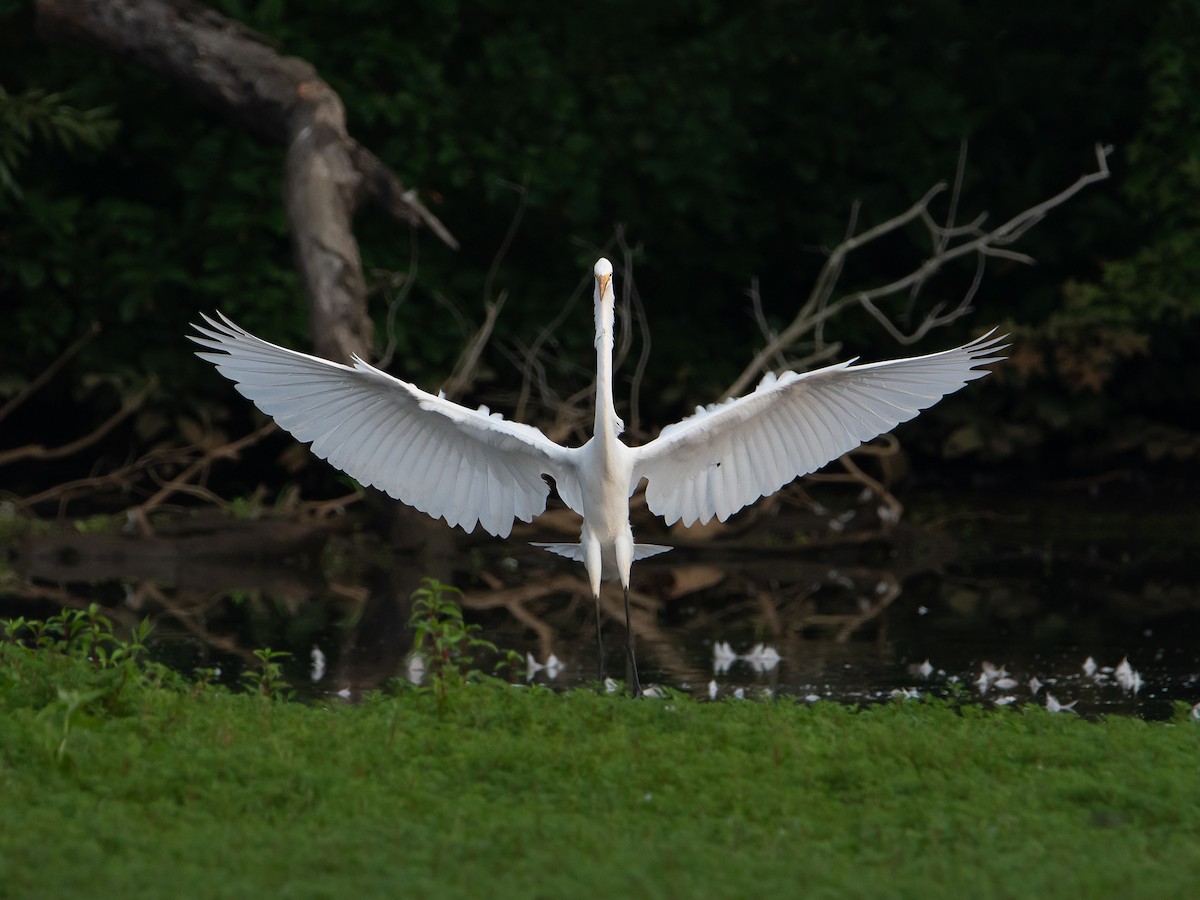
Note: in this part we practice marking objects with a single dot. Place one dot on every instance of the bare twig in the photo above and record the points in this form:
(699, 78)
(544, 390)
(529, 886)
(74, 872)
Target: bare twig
(633, 301)
(531, 366)
(181, 481)
(49, 372)
(760, 319)
(40, 451)
(402, 283)
(463, 375)
(123, 478)
(943, 233)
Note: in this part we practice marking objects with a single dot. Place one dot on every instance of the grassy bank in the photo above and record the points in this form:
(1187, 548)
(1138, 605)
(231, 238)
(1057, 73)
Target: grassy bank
(115, 782)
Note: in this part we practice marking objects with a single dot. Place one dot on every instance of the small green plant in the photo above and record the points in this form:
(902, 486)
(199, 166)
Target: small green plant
(446, 643)
(103, 664)
(86, 633)
(97, 525)
(69, 703)
(268, 679)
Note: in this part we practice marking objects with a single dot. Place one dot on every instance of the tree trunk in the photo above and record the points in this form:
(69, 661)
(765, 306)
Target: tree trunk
(280, 99)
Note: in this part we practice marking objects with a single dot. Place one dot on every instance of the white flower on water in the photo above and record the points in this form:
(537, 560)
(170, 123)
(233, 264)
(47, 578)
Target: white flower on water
(723, 657)
(925, 669)
(551, 667)
(1052, 705)
(1127, 677)
(990, 674)
(1089, 667)
(1005, 684)
(317, 671)
(906, 694)
(762, 658)
(1034, 685)
(993, 672)
(1005, 700)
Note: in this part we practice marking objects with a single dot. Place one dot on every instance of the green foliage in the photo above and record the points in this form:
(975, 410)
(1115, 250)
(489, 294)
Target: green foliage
(86, 634)
(1156, 285)
(268, 680)
(446, 644)
(42, 656)
(36, 116)
(534, 793)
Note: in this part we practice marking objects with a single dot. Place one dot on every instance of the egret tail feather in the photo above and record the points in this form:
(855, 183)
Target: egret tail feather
(575, 551)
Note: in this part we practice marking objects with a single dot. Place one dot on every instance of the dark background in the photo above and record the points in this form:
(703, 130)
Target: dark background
(729, 140)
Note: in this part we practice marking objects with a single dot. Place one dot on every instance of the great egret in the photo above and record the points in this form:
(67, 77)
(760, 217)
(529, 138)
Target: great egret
(471, 466)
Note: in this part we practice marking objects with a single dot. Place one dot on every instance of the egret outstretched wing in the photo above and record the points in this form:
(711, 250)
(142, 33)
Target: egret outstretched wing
(729, 455)
(464, 465)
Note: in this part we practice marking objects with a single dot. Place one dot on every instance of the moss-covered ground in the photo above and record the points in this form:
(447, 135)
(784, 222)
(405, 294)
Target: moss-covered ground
(119, 783)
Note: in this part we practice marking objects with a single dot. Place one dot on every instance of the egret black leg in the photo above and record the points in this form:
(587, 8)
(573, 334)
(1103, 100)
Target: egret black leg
(599, 648)
(634, 682)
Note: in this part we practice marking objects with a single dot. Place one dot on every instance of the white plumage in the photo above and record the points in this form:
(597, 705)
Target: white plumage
(474, 467)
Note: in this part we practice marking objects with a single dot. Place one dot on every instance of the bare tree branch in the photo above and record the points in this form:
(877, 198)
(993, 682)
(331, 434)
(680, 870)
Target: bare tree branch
(818, 308)
(40, 451)
(632, 311)
(197, 466)
(463, 374)
(50, 371)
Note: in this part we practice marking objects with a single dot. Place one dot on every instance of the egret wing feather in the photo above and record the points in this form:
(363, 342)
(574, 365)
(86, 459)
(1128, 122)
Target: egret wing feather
(474, 466)
(727, 456)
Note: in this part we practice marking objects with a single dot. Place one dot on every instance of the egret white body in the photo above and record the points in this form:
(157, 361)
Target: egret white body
(474, 467)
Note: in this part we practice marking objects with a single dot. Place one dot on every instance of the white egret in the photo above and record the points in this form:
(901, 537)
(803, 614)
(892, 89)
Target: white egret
(474, 467)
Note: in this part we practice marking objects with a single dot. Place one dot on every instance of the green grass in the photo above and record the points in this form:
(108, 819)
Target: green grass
(168, 789)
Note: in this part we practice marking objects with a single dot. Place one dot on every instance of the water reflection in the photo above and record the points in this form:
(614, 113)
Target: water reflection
(911, 612)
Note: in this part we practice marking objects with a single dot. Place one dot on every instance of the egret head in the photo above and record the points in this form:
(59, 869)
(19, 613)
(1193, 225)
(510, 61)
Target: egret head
(605, 301)
(603, 272)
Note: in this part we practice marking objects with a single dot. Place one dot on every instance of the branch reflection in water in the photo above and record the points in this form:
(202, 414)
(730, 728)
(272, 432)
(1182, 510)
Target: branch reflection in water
(853, 621)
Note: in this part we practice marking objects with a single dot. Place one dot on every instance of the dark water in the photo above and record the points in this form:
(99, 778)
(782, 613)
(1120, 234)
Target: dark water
(1029, 589)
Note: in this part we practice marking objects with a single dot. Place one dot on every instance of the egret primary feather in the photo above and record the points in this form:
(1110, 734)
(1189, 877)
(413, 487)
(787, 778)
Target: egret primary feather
(473, 467)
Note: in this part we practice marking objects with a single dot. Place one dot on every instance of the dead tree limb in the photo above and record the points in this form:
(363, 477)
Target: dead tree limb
(972, 240)
(140, 513)
(42, 452)
(50, 371)
(280, 99)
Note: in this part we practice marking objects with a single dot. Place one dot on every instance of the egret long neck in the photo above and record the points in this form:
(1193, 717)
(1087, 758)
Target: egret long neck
(607, 425)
